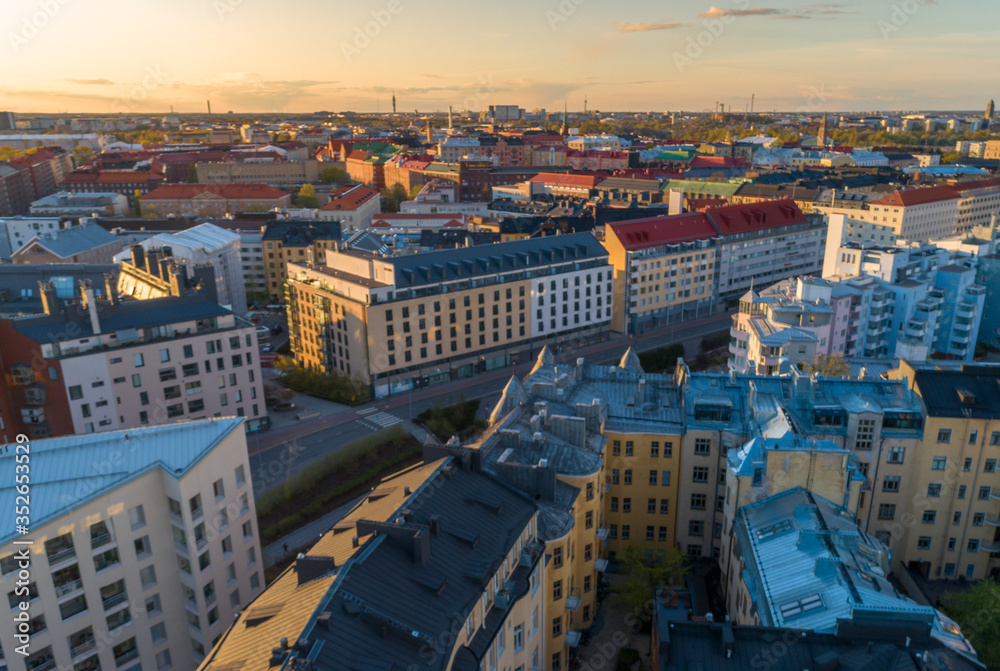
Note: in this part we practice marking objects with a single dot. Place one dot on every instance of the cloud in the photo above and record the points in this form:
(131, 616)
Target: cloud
(814, 11)
(91, 82)
(646, 27)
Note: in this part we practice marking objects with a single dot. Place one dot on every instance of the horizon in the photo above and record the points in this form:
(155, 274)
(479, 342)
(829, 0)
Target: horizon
(851, 57)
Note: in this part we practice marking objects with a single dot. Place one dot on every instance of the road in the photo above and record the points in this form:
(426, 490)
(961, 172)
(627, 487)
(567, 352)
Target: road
(291, 446)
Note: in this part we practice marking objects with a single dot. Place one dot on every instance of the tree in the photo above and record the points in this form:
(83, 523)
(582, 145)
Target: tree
(307, 197)
(192, 175)
(392, 197)
(643, 577)
(7, 153)
(333, 174)
(977, 612)
(82, 155)
(830, 365)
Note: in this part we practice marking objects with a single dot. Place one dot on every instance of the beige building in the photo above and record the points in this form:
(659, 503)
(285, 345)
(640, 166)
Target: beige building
(274, 173)
(412, 320)
(212, 200)
(466, 590)
(144, 547)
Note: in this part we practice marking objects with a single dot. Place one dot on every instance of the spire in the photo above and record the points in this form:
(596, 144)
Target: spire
(545, 358)
(393, 102)
(630, 360)
(564, 131)
(513, 395)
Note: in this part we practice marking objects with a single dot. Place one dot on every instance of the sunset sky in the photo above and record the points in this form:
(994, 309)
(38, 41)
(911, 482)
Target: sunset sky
(105, 56)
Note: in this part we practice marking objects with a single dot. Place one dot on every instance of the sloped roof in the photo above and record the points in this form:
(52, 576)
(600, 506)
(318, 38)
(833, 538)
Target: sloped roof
(656, 231)
(566, 179)
(755, 216)
(66, 242)
(227, 191)
(350, 198)
(911, 197)
(65, 476)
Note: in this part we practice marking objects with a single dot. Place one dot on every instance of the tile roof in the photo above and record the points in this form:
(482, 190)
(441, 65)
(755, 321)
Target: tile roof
(70, 471)
(350, 198)
(226, 191)
(911, 197)
(962, 187)
(734, 219)
(561, 179)
(656, 231)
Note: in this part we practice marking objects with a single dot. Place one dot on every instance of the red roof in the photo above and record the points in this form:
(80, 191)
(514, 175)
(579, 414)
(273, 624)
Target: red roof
(701, 204)
(910, 197)
(586, 181)
(228, 191)
(733, 219)
(350, 198)
(656, 231)
(962, 187)
(111, 177)
(716, 162)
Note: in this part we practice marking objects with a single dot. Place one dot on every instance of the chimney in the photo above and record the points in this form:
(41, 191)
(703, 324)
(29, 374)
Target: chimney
(110, 289)
(87, 298)
(50, 302)
(153, 262)
(435, 524)
(165, 264)
(138, 257)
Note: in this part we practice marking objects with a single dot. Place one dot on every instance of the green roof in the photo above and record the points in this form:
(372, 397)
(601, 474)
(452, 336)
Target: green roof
(723, 189)
(675, 156)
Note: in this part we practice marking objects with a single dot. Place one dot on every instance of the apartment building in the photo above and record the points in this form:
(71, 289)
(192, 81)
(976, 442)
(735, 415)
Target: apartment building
(124, 182)
(213, 200)
(953, 495)
(65, 203)
(799, 561)
(204, 245)
(83, 243)
(144, 546)
(15, 191)
(763, 243)
(46, 167)
(237, 169)
(100, 364)
(352, 206)
(285, 242)
(16, 231)
(418, 319)
(978, 205)
(664, 269)
(918, 214)
(467, 588)
(19, 293)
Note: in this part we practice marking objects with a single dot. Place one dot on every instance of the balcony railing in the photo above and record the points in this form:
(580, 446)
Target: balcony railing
(201, 543)
(100, 540)
(126, 658)
(62, 555)
(114, 600)
(68, 587)
(80, 648)
(197, 513)
(46, 665)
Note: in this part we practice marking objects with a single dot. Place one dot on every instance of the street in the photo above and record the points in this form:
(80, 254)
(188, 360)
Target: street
(292, 445)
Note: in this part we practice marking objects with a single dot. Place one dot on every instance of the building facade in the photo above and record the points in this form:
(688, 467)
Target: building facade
(213, 200)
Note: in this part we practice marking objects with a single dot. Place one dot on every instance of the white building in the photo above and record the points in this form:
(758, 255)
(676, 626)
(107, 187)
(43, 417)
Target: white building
(15, 232)
(207, 244)
(66, 203)
(144, 546)
(437, 197)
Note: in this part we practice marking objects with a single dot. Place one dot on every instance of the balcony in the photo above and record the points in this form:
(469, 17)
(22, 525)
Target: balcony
(34, 394)
(201, 543)
(572, 639)
(600, 565)
(101, 540)
(991, 547)
(573, 603)
(114, 600)
(126, 658)
(62, 555)
(177, 518)
(33, 415)
(197, 513)
(81, 649)
(45, 666)
(601, 534)
(965, 309)
(68, 588)
(993, 521)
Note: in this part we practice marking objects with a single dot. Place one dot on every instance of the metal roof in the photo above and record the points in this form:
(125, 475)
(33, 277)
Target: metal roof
(68, 472)
(66, 242)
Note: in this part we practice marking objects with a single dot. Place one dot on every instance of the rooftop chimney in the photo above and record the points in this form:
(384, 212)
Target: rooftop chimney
(153, 262)
(138, 257)
(110, 289)
(89, 302)
(50, 302)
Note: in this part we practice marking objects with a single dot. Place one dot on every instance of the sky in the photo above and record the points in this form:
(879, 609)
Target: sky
(140, 56)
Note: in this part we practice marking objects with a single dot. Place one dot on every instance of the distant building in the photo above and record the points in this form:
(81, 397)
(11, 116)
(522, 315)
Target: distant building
(84, 243)
(68, 204)
(126, 182)
(285, 242)
(19, 292)
(7, 121)
(66, 142)
(238, 169)
(352, 206)
(213, 200)
(15, 190)
(15, 231)
(130, 555)
(439, 197)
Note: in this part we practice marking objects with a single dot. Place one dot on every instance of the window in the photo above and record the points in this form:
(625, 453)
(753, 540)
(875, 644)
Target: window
(241, 478)
(967, 464)
(973, 437)
(650, 533)
(995, 438)
(924, 543)
(654, 449)
(698, 501)
(628, 476)
(887, 511)
(556, 590)
(664, 506)
(614, 504)
(589, 519)
(700, 474)
(147, 576)
(665, 479)
(628, 448)
(984, 493)
(164, 355)
(137, 517)
(896, 455)
(218, 489)
(952, 544)
(696, 528)
(978, 519)
(929, 517)
(556, 631)
(138, 361)
(616, 448)
(557, 557)
(939, 463)
(651, 506)
(973, 545)
(956, 517)
(626, 505)
(990, 466)
(944, 436)
(934, 490)
(652, 477)
(702, 446)
(204, 561)
(891, 483)
(153, 606)
(961, 491)
(75, 392)
(142, 547)
(626, 531)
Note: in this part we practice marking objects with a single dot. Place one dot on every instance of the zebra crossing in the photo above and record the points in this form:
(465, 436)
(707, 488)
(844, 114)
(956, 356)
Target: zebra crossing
(381, 420)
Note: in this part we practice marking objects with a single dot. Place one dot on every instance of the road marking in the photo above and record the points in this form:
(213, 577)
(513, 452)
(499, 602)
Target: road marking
(367, 411)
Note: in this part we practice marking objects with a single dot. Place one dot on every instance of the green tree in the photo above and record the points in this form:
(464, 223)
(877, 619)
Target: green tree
(977, 612)
(192, 175)
(82, 155)
(7, 153)
(830, 365)
(307, 197)
(644, 576)
(392, 197)
(333, 174)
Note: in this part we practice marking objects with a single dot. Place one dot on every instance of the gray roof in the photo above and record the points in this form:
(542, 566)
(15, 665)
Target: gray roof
(68, 472)
(503, 257)
(970, 391)
(132, 315)
(66, 242)
(377, 623)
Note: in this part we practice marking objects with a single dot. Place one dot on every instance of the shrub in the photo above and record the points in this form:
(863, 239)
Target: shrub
(451, 420)
(661, 359)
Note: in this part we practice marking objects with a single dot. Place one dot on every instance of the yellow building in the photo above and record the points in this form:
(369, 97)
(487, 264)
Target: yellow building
(948, 524)
(294, 242)
(664, 269)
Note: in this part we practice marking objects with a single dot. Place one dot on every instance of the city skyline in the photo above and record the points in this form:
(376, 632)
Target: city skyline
(636, 56)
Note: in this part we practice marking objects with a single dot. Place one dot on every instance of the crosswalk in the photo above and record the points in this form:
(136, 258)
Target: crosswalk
(381, 420)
